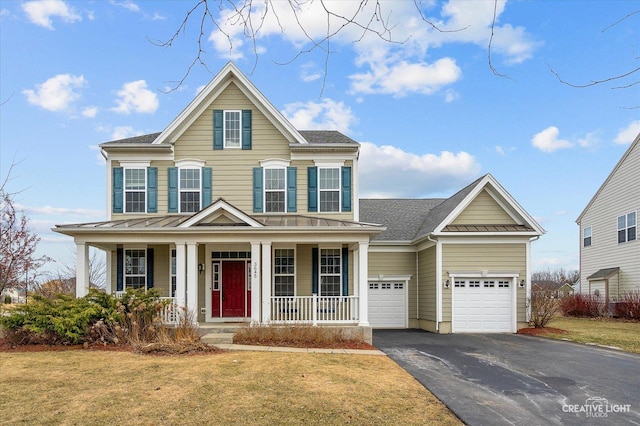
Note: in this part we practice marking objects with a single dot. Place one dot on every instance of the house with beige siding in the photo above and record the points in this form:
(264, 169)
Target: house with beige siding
(609, 246)
(237, 216)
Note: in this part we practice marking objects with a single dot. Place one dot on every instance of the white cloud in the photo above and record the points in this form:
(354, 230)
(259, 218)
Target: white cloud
(135, 97)
(310, 73)
(628, 134)
(90, 112)
(325, 115)
(401, 78)
(500, 150)
(126, 4)
(123, 132)
(547, 140)
(388, 171)
(40, 12)
(51, 211)
(589, 140)
(57, 93)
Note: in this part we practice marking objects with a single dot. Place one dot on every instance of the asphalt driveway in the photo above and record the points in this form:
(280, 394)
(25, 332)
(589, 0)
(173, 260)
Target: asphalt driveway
(507, 379)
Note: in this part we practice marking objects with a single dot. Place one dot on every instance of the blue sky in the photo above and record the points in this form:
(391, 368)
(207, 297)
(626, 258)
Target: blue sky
(430, 114)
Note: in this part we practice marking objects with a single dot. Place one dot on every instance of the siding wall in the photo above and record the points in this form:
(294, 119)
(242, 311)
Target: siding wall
(494, 258)
(427, 278)
(483, 210)
(621, 195)
(232, 169)
(394, 263)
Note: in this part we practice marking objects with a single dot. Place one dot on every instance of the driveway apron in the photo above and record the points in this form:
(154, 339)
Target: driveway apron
(508, 379)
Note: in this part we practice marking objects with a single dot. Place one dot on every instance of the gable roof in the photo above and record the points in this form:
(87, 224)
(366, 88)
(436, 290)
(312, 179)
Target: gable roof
(230, 73)
(634, 145)
(415, 219)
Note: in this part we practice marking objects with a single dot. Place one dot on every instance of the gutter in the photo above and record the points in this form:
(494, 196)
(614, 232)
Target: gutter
(438, 281)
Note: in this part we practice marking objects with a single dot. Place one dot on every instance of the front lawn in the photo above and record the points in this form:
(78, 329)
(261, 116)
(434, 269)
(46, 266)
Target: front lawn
(602, 331)
(96, 387)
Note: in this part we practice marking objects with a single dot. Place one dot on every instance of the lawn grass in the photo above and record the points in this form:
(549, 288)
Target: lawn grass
(233, 388)
(602, 331)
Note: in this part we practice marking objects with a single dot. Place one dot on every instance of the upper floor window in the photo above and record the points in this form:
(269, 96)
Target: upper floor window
(586, 236)
(135, 269)
(329, 189)
(231, 129)
(275, 190)
(232, 122)
(135, 186)
(627, 227)
(189, 188)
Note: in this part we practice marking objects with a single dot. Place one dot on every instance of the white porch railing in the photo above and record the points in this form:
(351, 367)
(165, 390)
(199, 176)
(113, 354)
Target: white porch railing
(315, 309)
(170, 313)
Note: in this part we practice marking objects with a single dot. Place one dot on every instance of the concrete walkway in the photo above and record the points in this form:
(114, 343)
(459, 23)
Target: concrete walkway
(234, 347)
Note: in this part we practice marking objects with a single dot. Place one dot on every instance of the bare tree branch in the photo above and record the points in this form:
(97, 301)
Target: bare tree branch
(593, 82)
(493, 24)
(620, 20)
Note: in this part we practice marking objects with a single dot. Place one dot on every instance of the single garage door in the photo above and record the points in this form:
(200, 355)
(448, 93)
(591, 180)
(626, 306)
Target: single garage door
(482, 305)
(387, 304)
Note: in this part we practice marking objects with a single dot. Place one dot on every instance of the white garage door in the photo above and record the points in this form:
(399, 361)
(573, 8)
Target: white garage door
(482, 305)
(387, 304)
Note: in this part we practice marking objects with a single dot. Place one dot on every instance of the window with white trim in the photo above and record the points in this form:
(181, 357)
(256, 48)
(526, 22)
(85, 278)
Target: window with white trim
(135, 268)
(330, 272)
(173, 273)
(275, 194)
(586, 236)
(232, 128)
(329, 189)
(189, 189)
(627, 227)
(135, 190)
(284, 272)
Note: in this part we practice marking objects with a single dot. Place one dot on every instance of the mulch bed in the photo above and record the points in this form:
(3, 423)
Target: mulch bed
(541, 331)
(6, 346)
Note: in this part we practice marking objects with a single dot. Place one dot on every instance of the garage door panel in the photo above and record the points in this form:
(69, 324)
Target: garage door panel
(482, 306)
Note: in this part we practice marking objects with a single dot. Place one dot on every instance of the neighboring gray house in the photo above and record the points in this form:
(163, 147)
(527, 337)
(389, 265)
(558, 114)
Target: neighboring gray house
(609, 246)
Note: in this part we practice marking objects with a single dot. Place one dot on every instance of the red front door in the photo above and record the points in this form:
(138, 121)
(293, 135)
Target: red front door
(233, 288)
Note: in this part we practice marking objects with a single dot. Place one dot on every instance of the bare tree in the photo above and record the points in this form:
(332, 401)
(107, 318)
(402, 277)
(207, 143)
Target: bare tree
(97, 271)
(559, 276)
(18, 244)
(369, 18)
(51, 288)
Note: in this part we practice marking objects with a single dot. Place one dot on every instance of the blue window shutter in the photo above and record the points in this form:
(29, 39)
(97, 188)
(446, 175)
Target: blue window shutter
(312, 180)
(117, 189)
(345, 271)
(119, 269)
(172, 173)
(149, 268)
(292, 183)
(218, 123)
(314, 270)
(152, 190)
(207, 176)
(346, 189)
(257, 190)
(246, 129)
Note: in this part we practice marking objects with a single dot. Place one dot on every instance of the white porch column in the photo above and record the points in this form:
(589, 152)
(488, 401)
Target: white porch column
(255, 282)
(108, 275)
(181, 274)
(266, 282)
(192, 280)
(356, 273)
(82, 269)
(363, 284)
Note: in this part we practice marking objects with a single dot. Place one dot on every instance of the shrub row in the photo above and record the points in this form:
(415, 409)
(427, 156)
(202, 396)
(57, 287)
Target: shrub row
(625, 306)
(97, 317)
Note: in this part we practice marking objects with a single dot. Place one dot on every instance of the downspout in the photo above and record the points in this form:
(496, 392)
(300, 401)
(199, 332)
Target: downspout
(438, 283)
(417, 290)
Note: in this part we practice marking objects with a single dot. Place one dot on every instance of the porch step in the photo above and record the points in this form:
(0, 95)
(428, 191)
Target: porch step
(217, 338)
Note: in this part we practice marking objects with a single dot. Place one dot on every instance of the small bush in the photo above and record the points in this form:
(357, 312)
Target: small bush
(7, 299)
(297, 336)
(627, 305)
(583, 305)
(543, 307)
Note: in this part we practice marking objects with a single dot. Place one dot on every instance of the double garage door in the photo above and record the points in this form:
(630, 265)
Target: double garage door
(482, 305)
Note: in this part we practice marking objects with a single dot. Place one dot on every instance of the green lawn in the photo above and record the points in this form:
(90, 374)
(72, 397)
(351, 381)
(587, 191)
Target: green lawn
(621, 334)
(233, 388)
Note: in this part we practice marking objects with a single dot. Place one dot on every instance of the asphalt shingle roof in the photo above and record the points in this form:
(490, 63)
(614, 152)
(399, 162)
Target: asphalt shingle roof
(326, 136)
(402, 217)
